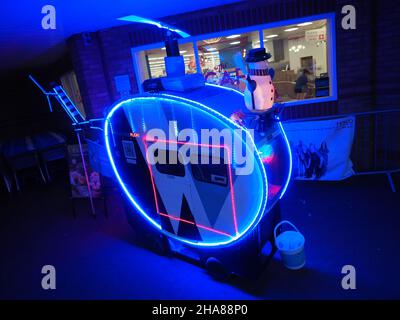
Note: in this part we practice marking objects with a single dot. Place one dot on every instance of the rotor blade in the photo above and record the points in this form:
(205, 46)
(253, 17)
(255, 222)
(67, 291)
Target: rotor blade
(159, 24)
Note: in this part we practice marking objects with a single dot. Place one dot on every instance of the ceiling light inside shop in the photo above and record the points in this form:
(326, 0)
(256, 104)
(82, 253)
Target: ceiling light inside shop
(304, 24)
(233, 36)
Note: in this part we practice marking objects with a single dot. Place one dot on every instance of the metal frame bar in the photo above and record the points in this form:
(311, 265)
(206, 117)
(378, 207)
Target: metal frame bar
(47, 94)
(375, 113)
(77, 131)
(86, 174)
(335, 116)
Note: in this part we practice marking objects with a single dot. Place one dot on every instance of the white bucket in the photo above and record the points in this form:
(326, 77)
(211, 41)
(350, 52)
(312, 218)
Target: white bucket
(291, 246)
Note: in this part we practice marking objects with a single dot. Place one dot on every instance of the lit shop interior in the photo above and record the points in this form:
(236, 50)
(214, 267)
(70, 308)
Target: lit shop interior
(294, 48)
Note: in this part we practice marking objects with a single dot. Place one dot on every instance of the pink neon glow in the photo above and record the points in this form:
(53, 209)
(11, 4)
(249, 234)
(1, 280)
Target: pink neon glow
(268, 159)
(152, 179)
(145, 140)
(232, 193)
(184, 142)
(273, 190)
(193, 223)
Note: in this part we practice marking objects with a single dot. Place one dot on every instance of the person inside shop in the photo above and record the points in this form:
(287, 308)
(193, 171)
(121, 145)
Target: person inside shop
(300, 87)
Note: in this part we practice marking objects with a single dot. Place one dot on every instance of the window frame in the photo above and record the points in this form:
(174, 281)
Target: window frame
(199, 166)
(161, 169)
(331, 51)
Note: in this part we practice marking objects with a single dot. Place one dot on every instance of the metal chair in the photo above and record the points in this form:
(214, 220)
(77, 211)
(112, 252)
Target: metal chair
(21, 154)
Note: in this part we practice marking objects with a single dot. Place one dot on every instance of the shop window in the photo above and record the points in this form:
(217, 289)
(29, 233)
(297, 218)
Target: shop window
(300, 59)
(222, 58)
(173, 169)
(303, 56)
(152, 65)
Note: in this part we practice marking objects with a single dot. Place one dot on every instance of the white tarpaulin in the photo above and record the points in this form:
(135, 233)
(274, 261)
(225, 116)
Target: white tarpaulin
(321, 149)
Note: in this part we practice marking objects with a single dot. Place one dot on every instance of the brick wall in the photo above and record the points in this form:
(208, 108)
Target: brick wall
(100, 56)
(366, 57)
(388, 53)
(387, 83)
(359, 52)
(354, 59)
(87, 59)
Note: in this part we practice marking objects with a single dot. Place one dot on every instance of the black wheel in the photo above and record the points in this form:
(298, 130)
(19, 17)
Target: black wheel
(217, 269)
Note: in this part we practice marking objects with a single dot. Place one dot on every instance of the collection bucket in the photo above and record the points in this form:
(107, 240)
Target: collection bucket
(291, 246)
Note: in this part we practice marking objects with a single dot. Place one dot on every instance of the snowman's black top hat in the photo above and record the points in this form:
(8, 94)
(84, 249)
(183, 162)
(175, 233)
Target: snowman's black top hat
(257, 55)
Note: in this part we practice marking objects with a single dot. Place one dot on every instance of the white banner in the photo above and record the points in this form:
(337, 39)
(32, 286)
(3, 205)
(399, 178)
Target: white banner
(321, 149)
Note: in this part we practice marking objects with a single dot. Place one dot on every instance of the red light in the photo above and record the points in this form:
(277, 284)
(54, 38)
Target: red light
(232, 195)
(134, 135)
(268, 159)
(196, 224)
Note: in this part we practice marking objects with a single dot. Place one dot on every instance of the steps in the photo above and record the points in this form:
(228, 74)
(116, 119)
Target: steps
(67, 104)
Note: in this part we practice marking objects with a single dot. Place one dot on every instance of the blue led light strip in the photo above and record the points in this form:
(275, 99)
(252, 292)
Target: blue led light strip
(261, 205)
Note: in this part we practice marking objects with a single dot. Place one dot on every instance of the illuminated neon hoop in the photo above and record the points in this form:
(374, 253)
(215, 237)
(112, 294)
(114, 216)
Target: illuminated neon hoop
(261, 205)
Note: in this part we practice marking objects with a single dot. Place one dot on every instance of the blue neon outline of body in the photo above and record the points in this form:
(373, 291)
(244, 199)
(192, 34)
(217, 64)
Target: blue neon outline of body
(261, 206)
(260, 213)
(284, 136)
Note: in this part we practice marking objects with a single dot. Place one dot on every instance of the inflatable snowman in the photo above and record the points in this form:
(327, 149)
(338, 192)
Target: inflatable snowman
(259, 95)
